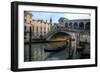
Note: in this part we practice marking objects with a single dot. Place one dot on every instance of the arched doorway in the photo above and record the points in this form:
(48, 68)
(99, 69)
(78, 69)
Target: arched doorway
(87, 26)
(66, 25)
(81, 26)
(75, 25)
(70, 25)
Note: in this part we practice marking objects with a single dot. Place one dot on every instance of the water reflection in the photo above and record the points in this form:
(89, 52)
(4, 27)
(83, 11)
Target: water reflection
(38, 52)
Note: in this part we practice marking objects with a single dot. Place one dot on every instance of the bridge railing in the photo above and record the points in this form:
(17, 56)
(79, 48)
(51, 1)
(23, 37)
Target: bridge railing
(54, 30)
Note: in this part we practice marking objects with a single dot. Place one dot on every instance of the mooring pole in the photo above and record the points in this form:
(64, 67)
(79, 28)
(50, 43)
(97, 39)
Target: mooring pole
(30, 42)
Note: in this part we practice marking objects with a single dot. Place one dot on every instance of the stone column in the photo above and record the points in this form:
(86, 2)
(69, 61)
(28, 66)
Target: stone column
(78, 25)
(84, 25)
(72, 25)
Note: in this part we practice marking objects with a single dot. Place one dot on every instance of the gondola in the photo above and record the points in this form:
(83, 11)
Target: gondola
(55, 49)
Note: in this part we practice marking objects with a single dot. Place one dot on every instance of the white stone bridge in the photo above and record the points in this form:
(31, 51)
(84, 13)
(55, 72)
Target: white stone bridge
(73, 33)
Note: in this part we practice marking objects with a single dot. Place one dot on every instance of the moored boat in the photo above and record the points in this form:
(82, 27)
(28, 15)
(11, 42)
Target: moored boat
(55, 49)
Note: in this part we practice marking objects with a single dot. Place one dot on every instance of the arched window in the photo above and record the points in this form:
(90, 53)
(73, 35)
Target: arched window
(37, 28)
(30, 21)
(66, 24)
(81, 25)
(75, 25)
(70, 25)
(87, 26)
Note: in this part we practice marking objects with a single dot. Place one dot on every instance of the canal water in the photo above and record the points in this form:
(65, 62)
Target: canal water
(38, 52)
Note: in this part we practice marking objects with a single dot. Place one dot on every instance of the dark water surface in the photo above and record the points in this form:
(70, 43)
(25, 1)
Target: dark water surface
(38, 52)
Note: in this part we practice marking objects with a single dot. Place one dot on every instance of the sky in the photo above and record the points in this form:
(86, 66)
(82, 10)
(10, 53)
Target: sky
(56, 15)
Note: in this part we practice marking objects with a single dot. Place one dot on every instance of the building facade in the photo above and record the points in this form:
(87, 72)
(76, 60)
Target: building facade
(39, 28)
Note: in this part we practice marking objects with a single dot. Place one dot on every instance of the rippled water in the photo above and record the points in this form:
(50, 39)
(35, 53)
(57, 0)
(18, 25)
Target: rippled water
(39, 54)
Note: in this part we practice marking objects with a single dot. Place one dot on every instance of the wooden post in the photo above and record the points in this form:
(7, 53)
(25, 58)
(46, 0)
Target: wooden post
(30, 43)
(69, 47)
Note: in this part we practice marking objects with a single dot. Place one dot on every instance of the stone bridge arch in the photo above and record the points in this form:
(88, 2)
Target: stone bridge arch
(61, 34)
(71, 38)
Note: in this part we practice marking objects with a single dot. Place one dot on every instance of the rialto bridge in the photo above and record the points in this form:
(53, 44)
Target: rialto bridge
(77, 30)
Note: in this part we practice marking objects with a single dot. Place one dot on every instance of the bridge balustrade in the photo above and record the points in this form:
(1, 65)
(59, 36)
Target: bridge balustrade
(65, 29)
